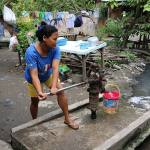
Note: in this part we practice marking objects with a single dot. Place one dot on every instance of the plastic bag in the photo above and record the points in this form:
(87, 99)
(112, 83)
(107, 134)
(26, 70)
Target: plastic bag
(9, 16)
(13, 43)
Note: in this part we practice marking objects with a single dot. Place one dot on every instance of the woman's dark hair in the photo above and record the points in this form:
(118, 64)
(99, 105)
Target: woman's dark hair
(43, 23)
(45, 30)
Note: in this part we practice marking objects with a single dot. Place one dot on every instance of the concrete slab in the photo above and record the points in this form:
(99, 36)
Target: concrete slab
(119, 141)
(50, 116)
(5, 146)
(56, 135)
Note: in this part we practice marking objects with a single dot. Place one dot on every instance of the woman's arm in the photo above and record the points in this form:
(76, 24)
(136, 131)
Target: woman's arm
(55, 66)
(36, 83)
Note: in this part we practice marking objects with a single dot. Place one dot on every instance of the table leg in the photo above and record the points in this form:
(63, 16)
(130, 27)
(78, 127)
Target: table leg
(102, 57)
(19, 57)
(83, 68)
(84, 58)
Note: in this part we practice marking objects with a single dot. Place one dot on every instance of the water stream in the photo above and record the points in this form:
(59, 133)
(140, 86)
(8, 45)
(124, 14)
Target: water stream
(143, 86)
(143, 89)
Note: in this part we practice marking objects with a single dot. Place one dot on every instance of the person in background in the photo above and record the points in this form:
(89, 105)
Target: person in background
(1, 30)
(13, 42)
(42, 62)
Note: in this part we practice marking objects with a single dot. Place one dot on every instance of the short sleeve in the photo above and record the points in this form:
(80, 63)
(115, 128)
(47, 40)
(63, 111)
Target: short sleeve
(31, 61)
(57, 53)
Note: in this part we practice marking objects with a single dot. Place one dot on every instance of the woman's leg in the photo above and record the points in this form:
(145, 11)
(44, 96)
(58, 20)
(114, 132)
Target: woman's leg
(34, 100)
(63, 103)
(34, 107)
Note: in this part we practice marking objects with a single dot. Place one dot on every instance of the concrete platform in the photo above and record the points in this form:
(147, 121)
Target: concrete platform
(5, 146)
(55, 135)
(4, 41)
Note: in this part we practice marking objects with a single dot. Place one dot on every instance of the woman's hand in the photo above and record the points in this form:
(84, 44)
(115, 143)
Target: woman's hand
(53, 90)
(42, 96)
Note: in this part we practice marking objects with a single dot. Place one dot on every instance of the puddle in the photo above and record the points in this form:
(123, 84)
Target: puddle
(8, 102)
(47, 104)
(4, 78)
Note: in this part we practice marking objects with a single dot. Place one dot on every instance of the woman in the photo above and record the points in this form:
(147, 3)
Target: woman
(42, 62)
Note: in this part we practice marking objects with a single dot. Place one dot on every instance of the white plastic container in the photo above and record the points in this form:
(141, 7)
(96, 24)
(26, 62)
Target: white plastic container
(93, 41)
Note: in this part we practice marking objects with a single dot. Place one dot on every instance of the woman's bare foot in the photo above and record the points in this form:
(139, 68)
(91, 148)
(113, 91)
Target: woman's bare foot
(72, 124)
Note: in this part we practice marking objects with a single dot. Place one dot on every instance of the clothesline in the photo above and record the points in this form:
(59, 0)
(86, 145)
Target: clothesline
(65, 21)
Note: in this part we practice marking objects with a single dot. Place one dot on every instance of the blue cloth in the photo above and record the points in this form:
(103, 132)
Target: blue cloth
(1, 30)
(43, 64)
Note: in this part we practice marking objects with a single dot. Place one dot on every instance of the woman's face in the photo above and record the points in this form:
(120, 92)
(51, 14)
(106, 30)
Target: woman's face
(51, 41)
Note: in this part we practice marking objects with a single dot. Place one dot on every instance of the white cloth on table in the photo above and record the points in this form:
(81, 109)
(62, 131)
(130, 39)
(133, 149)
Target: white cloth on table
(74, 48)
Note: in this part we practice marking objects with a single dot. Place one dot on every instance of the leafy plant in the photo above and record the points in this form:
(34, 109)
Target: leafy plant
(51, 5)
(112, 28)
(111, 63)
(135, 21)
(113, 4)
(131, 56)
(103, 10)
(24, 27)
(147, 6)
(101, 33)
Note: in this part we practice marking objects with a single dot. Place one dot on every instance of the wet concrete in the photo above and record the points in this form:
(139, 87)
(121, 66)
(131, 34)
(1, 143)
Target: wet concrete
(143, 89)
(14, 106)
(143, 86)
(4, 146)
(56, 135)
(14, 100)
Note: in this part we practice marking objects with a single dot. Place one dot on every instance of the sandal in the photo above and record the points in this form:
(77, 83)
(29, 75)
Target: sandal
(72, 124)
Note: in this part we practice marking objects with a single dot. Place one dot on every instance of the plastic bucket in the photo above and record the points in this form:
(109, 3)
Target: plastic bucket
(84, 45)
(111, 98)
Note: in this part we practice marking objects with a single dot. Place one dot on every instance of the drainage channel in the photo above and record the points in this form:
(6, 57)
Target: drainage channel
(141, 93)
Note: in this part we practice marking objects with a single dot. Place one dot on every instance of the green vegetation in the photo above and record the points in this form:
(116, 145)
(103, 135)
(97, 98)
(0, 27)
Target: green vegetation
(113, 28)
(103, 8)
(130, 55)
(24, 28)
(135, 21)
(48, 5)
(111, 63)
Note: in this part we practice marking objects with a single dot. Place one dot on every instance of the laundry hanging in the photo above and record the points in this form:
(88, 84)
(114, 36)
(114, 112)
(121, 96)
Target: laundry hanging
(70, 21)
